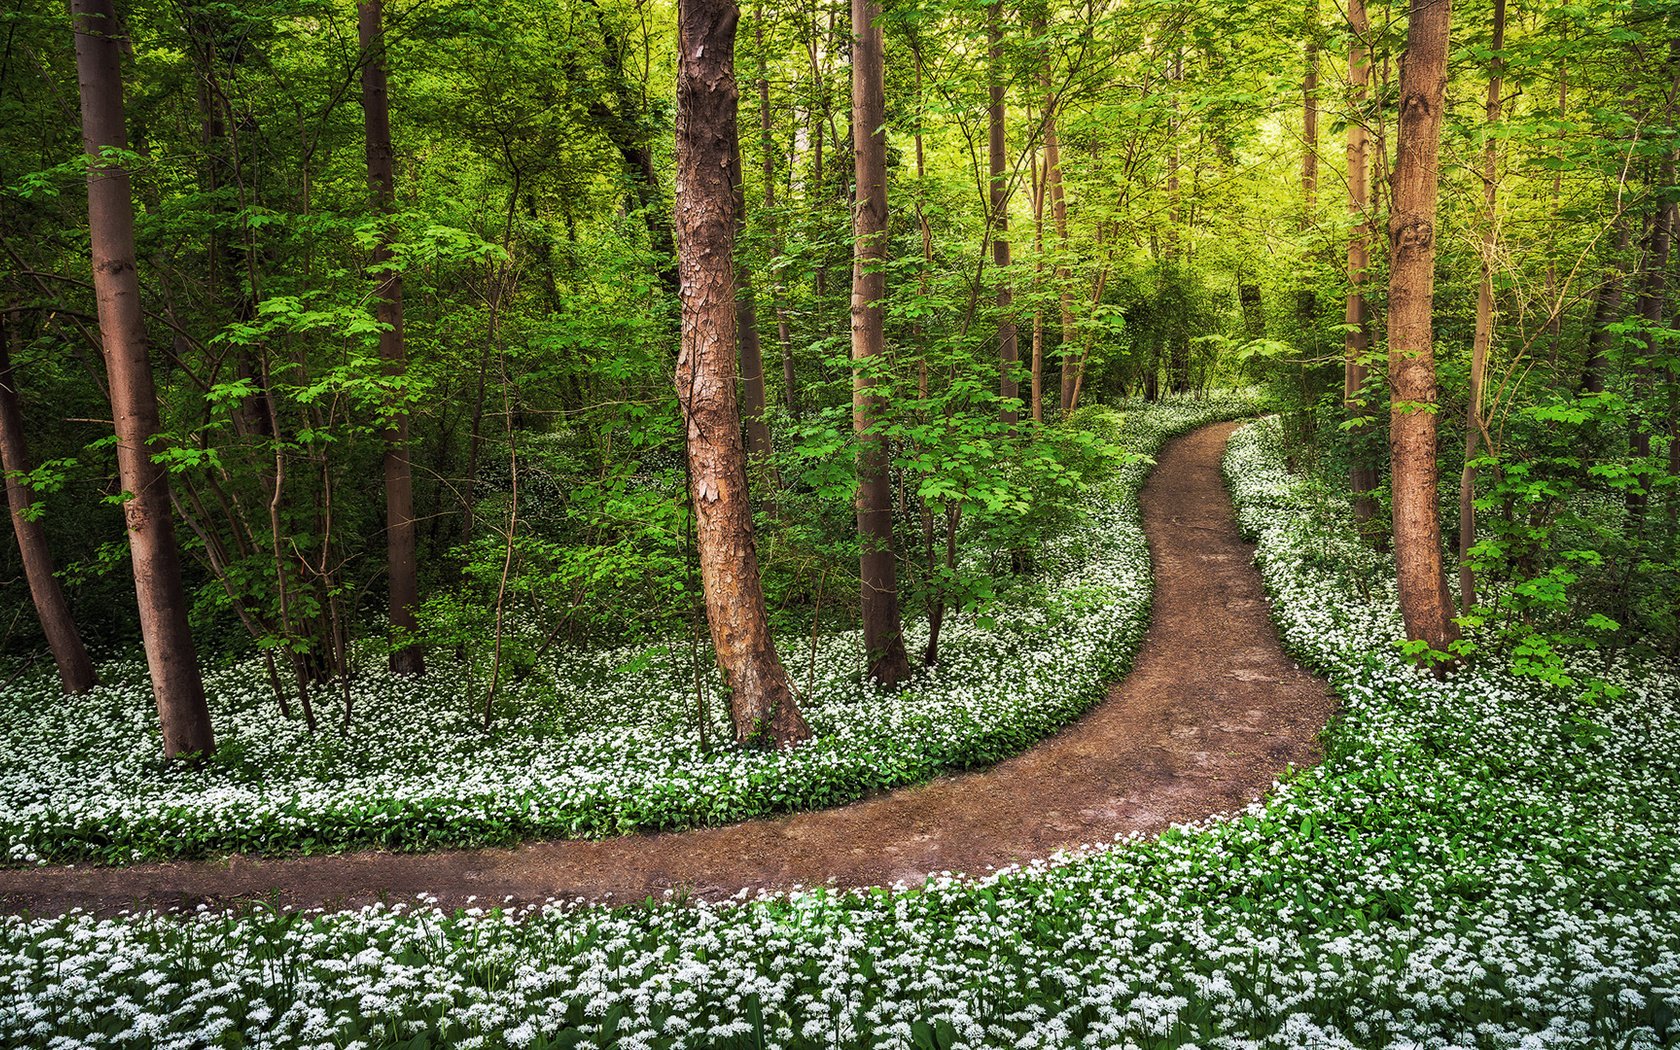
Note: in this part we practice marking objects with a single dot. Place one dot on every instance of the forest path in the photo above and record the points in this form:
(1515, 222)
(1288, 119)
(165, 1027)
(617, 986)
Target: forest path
(1211, 713)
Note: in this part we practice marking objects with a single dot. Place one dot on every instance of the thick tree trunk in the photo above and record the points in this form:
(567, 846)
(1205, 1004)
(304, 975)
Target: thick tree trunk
(176, 683)
(761, 701)
(402, 568)
(75, 669)
(883, 626)
(1362, 473)
(1009, 349)
(1483, 339)
(1424, 598)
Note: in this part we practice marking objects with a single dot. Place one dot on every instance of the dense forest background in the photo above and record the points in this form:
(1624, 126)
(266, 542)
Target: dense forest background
(1104, 201)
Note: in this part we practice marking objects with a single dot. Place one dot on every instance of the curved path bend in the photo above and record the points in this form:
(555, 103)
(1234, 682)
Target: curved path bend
(1211, 713)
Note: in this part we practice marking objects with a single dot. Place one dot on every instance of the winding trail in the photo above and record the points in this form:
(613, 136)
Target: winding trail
(1212, 712)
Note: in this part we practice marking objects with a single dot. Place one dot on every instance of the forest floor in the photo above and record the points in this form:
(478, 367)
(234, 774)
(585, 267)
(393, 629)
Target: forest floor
(1212, 712)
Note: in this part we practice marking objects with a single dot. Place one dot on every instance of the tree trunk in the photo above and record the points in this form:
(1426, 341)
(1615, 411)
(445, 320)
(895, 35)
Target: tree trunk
(1483, 339)
(176, 684)
(1009, 350)
(1362, 473)
(1651, 307)
(761, 702)
(1424, 599)
(753, 398)
(1070, 358)
(75, 669)
(1607, 305)
(883, 627)
(402, 569)
(1309, 119)
(1178, 350)
(784, 339)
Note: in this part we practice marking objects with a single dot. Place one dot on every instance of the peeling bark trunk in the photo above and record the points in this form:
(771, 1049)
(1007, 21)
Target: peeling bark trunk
(883, 626)
(761, 704)
(177, 685)
(402, 569)
(1424, 599)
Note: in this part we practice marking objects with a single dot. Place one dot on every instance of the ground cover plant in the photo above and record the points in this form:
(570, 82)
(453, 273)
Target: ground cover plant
(609, 743)
(1477, 863)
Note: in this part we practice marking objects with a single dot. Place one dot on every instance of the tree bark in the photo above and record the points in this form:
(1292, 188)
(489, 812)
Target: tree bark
(1651, 307)
(1009, 349)
(160, 593)
(1362, 473)
(1070, 357)
(1309, 119)
(753, 398)
(1482, 341)
(1424, 599)
(1607, 305)
(767, 144)
(761, 703)
(75, 669)
(402, 568)
(883, 626)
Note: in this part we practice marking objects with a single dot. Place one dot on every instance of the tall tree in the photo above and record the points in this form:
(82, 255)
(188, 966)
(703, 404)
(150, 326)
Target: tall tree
(767, 146)
(1362, 473)
(402, 566)
(177, 685)
(64, 641)
(1309, 117)
(1009, 348)
(1650, 307)
(1424, 599)
(753, 398)
(1482, 341)
(761, 702)
(883, 626)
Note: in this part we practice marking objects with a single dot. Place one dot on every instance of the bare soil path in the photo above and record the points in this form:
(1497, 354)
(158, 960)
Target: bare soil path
(1212, 711)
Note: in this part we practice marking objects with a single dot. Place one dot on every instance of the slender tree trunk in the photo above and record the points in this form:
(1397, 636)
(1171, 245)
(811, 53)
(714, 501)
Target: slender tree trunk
(883, 626)
(1607, 306)
(753, 398)
(1309, 119)
(761, 701)
(1009, 350)
(1483, 339)
(176, 683)
(75, 669)
(402, 568)
(1424, 599)
(1038, 289)
(1651, 307)
(784, 338)
(1178, 350)
(1362, 473)
(1064, 288)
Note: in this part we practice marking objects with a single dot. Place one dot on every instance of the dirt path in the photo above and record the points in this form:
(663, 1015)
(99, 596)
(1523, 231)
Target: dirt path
(1212, 711)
